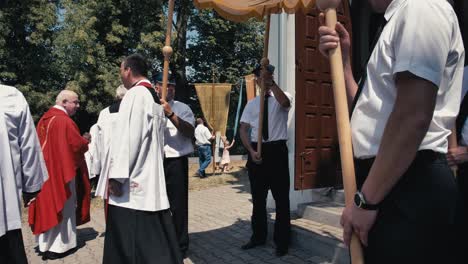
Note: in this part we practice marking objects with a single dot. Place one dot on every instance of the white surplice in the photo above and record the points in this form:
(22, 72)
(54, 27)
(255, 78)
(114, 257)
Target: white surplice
(136, 158)
(22, 166)
(107, 123)
(93, 156)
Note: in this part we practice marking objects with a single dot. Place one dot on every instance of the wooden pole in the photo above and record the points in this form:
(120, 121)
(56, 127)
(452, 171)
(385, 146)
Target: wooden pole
(344, 131)
(167, 49)
(265, 62)
(213, 118)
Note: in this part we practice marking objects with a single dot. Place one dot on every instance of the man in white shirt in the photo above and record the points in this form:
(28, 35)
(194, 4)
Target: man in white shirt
(139, 224)
(22, 170)
(406, 206)
(203, 138)
(177, 146)
(270, 171)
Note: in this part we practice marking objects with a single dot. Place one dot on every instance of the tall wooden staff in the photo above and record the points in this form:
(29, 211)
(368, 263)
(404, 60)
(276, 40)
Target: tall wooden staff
(342, 120)
(264, 62)
(213, 119)
(167, 49)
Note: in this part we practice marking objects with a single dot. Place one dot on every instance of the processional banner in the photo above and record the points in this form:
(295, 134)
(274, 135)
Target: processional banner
(214, 101)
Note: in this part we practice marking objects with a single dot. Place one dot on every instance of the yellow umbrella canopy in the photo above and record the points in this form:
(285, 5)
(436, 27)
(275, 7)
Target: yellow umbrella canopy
(242, 10)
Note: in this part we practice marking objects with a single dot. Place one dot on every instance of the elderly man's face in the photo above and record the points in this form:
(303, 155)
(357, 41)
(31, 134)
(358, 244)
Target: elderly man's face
(71, 104)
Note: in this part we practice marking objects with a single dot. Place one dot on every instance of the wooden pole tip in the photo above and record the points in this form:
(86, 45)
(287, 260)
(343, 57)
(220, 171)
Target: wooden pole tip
(167, 51)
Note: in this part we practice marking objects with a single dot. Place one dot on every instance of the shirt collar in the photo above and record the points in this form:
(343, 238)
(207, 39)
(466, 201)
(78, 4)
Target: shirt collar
(394, 6)
(61, 108)
(140, 81)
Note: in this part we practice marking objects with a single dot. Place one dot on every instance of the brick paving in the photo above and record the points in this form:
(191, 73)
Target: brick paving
(219, 223)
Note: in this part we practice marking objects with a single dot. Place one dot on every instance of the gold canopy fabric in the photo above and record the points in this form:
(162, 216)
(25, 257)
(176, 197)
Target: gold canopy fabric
(215, 109)
(242, 10)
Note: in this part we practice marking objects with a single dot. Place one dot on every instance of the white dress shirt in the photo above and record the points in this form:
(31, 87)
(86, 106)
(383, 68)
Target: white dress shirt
(277, 118)
(176, 144)
(22, 166)
(136, 158)
(202, 135)
(422, 37)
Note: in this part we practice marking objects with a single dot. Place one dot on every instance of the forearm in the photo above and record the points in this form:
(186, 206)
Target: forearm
(245, 139)
(184, 127)
(402, 137)
(351, 85)
(280, 96)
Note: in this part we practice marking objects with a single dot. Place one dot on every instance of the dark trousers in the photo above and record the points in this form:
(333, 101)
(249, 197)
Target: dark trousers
(416, 222)
(134, 237)
(176, 172)
(12, 248)
(272, 174)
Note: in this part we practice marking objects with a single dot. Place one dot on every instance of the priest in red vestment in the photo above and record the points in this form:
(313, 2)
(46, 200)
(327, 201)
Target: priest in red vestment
(64, 200)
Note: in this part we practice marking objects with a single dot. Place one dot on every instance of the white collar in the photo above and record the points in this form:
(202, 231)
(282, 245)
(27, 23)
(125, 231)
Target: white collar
(61, 108)
(394, 6)
(142, 80)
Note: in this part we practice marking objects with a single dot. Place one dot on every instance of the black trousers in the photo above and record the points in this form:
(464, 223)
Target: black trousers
(134, 237)
(12, 248)
(417, 221)
(272, 174)
(176, 171)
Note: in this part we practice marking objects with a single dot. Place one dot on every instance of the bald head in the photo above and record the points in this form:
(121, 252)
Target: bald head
(120, 92)
(68, 100)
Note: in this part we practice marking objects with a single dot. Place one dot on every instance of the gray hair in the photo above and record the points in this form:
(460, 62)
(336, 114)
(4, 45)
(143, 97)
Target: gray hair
(63, 96)
(120, 92)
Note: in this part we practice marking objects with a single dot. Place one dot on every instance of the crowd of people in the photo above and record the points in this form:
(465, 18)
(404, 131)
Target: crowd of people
(408, 208)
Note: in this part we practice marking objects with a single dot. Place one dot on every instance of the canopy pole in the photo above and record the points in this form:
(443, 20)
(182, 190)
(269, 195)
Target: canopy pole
(344, 131)
(213, 118)
(265, 62)
(167, 49)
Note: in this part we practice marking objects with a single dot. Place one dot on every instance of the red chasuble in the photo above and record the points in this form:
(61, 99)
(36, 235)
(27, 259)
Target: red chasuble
(63, 148)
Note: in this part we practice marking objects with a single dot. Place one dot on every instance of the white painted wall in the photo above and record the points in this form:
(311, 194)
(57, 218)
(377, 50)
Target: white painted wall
(282, 56)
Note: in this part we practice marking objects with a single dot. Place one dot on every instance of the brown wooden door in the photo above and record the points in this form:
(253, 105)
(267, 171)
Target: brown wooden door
(316, 157)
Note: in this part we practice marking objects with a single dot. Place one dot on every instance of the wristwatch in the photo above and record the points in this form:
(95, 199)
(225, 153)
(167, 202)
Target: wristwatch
(171, 115)
(360, 202)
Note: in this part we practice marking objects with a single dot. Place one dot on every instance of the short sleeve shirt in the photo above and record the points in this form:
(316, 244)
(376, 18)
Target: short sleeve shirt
(421, 37)
(176, 144)
(277, 118)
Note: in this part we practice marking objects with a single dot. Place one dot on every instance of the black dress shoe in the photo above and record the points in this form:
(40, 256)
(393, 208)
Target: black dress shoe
(252, 244)
(281, 252)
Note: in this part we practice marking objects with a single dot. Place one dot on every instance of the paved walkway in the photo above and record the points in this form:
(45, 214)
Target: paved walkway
(219, 225)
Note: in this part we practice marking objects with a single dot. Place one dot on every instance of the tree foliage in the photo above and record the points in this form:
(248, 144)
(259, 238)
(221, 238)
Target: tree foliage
(46, 46)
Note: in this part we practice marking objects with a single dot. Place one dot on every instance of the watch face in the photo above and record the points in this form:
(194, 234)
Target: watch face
(357, 200)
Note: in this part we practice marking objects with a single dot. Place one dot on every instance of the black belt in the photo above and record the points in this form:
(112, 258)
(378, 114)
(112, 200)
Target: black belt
(271, 143)
(204, 145)
(422, 155)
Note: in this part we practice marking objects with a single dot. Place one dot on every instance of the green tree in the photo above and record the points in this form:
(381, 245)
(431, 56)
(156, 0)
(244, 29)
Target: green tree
(26, 42)
(231, 49)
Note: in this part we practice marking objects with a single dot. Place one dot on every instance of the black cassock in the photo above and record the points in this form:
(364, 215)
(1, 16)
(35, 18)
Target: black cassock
(140, 237)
